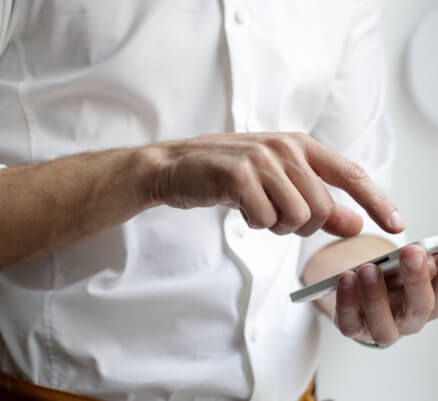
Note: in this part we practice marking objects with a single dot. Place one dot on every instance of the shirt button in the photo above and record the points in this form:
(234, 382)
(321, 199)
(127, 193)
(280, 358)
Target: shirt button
(254, 334)
(241, 17)
(241, 228)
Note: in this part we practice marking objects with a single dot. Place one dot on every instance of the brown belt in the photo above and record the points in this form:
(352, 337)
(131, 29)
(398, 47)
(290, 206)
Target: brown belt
(309, 395)
(14, 389)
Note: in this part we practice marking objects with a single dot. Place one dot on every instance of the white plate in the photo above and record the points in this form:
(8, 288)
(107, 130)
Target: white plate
(422, 66)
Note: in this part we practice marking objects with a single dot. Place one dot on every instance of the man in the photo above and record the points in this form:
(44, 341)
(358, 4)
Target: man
(142, 257)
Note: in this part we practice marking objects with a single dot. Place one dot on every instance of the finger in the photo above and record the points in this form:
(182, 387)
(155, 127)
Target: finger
(342, 173)
(343, 222)
(396, 300)
(313, 192)
(348, 317)
(255, 206)
(419, 294)
(376, 306)
(395, 281)
(292, 210)
(336, 219)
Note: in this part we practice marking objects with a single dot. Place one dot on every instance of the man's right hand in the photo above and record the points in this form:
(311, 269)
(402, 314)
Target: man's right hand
(275, 179)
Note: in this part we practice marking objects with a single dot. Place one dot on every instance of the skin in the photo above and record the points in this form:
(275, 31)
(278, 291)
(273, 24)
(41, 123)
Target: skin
(366, 306)
(274, 179)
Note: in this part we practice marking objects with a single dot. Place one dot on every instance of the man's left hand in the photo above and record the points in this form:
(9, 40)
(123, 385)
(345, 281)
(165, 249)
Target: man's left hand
(371, 308)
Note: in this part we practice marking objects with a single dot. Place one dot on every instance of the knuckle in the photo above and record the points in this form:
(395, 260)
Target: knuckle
(295, 153)
(308, 141)
(300, 136)
(278, 142)
(378, 201)
(259, 152)
(421, 313)
(289, 145)
(354, 172)
(269, 221)
(240, 175)
(301, 217)
(314, 221)
(323, 211)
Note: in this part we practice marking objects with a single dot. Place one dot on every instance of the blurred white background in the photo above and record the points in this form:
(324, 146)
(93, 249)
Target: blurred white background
(407, 371)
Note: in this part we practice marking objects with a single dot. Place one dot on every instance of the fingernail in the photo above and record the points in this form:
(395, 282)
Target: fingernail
(347, 281)
(368, 274)
(415, 261)
(396, 222)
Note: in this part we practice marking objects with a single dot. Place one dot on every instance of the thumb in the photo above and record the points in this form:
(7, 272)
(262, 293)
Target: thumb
(343, 222)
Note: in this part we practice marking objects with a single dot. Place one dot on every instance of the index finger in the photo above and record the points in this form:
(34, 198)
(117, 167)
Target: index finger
(340, 172)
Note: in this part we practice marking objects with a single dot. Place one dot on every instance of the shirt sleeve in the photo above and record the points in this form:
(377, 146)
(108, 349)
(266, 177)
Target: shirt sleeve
(353, 122)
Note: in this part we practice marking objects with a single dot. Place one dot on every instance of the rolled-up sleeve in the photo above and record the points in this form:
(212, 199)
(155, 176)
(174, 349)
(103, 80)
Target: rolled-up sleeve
(353, 121)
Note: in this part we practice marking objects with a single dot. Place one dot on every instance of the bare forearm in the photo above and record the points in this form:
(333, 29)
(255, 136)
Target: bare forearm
(340, 256)
(50, 205)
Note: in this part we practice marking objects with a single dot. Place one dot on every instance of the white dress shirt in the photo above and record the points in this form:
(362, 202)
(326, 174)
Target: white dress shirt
(178, 304)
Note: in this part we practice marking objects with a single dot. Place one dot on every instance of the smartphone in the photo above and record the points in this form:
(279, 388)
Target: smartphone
(388, 264)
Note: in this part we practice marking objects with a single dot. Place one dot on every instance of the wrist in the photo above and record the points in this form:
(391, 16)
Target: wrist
(151, 166)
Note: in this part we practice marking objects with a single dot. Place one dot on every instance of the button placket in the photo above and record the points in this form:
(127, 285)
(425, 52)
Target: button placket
(237, 31)
(237, 18)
